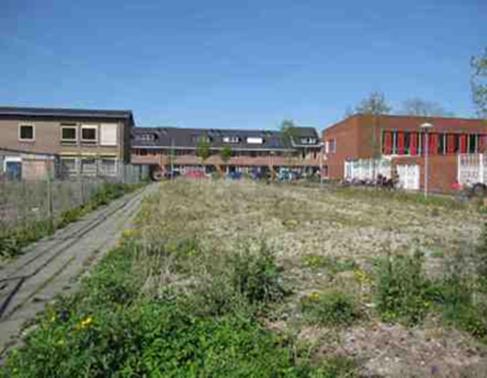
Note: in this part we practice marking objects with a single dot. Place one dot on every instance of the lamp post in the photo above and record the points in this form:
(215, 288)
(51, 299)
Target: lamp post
(321, 164)
(426, 127)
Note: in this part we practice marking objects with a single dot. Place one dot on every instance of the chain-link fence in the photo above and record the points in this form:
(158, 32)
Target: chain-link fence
(23, 202)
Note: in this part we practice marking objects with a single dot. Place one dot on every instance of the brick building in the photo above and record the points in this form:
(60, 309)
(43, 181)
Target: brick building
(251, 150)
(76, 141)
(390, 143)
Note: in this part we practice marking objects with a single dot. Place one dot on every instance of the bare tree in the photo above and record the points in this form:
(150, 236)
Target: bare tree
(375, 105)
(416, 106)
(479, 83)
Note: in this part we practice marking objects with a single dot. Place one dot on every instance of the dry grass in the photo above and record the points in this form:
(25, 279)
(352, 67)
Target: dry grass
(325, 240)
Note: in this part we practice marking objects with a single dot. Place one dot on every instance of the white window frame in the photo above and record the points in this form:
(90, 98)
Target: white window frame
(33, 132)
(70, 141)
(89, 141)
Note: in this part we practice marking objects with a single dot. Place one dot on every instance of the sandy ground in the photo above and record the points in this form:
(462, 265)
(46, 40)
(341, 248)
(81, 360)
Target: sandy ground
(53, 265)
(299, 223)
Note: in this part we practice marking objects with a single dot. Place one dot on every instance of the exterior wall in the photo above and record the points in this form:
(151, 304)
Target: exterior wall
(47, 140)
(161, 158)
(346, 136)
(355, 140)
(442, 171)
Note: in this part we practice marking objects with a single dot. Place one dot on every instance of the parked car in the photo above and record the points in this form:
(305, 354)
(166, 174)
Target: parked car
(171, 174)
(234, 175)
(196, 175)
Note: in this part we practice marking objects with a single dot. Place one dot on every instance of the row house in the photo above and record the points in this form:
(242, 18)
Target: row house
(389, 144)
(166, 148)
(35, 141)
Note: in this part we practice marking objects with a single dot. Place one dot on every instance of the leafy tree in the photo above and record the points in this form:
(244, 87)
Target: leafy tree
(479, 83)
(418, 107)
(226, 153)
(203, 148)
(288, 133)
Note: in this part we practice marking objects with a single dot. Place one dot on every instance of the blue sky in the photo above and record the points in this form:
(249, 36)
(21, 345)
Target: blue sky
(237, 64)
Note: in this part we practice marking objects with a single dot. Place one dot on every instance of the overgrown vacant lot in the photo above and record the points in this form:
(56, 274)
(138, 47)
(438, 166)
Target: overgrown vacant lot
(245, 279)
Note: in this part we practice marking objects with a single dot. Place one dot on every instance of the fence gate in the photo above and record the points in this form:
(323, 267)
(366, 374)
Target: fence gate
(408, 176)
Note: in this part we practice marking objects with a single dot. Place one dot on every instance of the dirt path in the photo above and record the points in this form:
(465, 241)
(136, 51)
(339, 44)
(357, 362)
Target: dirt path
(53, 265)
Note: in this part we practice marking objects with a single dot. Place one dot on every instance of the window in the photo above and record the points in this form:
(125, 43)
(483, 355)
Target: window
(331, 146)
(69, 134)
(26, 133)
(89, 133)
(108, 167)
(68, 166)
(88, 166)
(231, 139)
(308, 140)
(255, 140)
(145, 137)
(108, 134)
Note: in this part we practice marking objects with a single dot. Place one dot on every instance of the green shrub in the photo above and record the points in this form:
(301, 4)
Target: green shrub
(481, 256)
(331, 308)
(455, 297)
(255, 274)
(402, 290)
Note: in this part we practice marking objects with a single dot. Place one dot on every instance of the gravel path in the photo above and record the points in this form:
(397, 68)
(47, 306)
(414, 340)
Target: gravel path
(53, 265)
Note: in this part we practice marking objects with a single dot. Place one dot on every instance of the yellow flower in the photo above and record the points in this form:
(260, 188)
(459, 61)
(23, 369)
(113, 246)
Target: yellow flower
(362, 276)
(314, 296)
(85, 323)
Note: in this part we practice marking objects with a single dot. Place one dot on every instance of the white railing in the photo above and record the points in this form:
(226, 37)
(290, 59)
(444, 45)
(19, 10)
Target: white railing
(367, 169)
(472, 169)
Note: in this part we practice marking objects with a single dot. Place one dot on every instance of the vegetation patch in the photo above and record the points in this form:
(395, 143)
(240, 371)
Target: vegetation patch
(329, 308)
(402, 288)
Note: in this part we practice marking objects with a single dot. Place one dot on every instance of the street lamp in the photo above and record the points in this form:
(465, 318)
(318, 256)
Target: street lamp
(426, 127)
(321, 164)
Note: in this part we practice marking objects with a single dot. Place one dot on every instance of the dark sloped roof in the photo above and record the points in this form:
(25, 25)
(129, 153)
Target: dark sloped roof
(188, 137)
(65, 112)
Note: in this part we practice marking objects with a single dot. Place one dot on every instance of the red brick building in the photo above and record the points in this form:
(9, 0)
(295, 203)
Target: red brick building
(399, 142)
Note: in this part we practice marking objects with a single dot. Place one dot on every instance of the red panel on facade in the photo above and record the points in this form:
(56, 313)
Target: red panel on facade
(387, 143)
(400, 143)
(413, 144)
(463, 143)
(433, 144)
(482, 143)
(450, 143)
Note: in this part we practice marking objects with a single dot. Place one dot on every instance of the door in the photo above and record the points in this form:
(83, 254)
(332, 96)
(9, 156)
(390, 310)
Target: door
(408, 176)
(13, 170)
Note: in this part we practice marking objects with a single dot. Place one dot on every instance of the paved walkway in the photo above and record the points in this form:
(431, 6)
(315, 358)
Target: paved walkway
(53, 265)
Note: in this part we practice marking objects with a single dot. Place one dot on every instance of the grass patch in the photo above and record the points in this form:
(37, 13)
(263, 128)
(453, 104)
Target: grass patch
(330, 308)
(332, 264)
